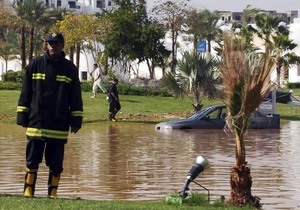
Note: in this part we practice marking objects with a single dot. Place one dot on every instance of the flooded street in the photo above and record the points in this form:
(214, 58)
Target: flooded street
(131, 161)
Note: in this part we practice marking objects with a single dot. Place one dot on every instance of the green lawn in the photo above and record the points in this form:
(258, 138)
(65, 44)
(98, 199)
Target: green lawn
(17, 202)
(134, 108)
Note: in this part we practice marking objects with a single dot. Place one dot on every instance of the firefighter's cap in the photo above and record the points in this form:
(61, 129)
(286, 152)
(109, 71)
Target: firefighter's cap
(56, 37)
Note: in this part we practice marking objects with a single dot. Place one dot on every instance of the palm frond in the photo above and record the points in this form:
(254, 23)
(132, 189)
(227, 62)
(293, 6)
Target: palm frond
(169, 81)
(246, 79)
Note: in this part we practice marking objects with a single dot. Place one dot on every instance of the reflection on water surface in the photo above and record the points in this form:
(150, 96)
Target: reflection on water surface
(124, 161)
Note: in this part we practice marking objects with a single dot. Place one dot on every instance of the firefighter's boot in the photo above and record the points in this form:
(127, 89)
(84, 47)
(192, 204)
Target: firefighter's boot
(53, 185)
(30, 180)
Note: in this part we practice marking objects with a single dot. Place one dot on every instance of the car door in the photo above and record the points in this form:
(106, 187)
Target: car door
(214, 119)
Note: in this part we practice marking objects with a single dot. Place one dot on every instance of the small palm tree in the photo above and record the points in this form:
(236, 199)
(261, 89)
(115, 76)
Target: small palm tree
(194, 74)
(246, 79)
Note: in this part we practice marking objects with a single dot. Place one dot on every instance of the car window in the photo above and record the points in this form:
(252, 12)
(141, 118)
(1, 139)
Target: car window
(223, 114)
(215, 114)
(207, 113)
(200, 114)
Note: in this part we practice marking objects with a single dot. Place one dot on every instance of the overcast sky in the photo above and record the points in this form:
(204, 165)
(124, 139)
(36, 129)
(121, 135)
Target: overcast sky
(239, 5)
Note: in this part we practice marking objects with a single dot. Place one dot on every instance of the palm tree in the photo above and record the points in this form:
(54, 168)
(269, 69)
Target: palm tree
(203, 25)
(164, 65)
(276, 38)
(195, 74)
(32, 13)
(8, 49)
(210, 31)
(51, 16)
(194, 21)
(16, 21)
(246, 79)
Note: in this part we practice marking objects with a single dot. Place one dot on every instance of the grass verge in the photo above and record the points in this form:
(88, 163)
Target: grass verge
(150, 109)
(134, 108)
(196, 201)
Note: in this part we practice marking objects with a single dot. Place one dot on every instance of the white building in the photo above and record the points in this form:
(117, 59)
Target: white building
(294, 71)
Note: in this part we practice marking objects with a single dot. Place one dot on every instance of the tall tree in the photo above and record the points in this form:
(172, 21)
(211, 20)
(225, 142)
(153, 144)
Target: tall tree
(9, 40)
(123, 40)
(77, 29)
(20, 23)
(51, 16)
(154, 50)
(133, 36)
(276, 40)
(203, 25)
(8, 48)
(32, 13)
(172, 15)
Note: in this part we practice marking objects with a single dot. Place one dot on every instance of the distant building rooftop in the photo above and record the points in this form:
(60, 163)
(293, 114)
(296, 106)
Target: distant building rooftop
(230, 17)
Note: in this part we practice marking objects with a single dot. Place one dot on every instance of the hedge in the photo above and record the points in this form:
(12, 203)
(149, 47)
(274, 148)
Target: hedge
(124, 89)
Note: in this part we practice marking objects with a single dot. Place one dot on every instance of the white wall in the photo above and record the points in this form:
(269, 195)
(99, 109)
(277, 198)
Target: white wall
(295, 36)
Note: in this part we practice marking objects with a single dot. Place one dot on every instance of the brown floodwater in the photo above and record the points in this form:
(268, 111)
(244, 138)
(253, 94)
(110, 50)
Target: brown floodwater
(133, 161)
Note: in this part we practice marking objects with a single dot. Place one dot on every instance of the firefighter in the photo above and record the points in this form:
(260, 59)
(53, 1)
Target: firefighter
(50, 105)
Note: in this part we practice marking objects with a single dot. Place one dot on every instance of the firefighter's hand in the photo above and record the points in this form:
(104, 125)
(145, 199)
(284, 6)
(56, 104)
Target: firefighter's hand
(24, 125)
(74, 129)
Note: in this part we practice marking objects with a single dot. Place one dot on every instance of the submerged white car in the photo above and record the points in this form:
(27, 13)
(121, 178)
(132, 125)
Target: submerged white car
(214, 117)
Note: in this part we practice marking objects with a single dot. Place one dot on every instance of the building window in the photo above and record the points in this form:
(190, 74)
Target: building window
(237, 17)
(99, 4)
(72, 4)
(109, 3)
(59, 3)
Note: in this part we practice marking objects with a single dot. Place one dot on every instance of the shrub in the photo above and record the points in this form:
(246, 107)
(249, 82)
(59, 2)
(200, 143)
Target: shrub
(127, 89)
(124, 89)
(13, 76)
(293, 85)
(10, 86)
(87, 86)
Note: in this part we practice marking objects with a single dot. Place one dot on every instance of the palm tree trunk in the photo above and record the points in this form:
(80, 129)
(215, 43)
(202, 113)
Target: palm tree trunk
(195, 43)
(241, 182)
(6, 63)
(71, 54)
(240, 176)
(278, 72)
(173, 62)
(23, 48)
(30, 53)
(77, 55)
(208, 46)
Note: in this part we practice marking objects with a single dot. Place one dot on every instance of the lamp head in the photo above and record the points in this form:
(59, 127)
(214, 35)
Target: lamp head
(200, 165)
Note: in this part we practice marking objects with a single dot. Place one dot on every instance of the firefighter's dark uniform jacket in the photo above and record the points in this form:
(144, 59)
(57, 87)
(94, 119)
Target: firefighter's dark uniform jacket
(50, 100)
